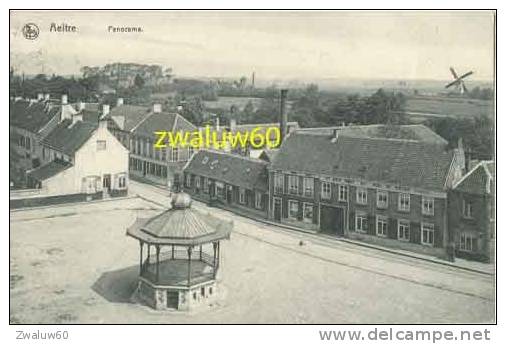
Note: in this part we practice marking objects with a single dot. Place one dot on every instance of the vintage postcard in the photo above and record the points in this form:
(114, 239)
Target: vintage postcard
(253, 167)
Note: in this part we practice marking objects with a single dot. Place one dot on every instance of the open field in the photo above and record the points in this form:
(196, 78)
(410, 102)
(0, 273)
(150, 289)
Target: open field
(446, 106)
(74, 264)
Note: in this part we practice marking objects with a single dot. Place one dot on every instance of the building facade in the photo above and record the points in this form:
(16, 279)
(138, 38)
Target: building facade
(228, 180)
(390, 192)
(472, 213)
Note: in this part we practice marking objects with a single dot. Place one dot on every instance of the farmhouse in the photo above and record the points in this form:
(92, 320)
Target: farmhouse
(390, 192)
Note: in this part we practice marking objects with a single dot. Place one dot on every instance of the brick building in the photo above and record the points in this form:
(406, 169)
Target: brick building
(135, 127)
(472, 213)
(233, 181)
(391, 192)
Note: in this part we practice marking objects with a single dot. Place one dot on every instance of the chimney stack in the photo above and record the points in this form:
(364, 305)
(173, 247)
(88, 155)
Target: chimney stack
(233, 124)
(105, 110)
(119, 101)
(157, 108)
(64, 99)
(102, 123)
(76, 118)
(283, 117)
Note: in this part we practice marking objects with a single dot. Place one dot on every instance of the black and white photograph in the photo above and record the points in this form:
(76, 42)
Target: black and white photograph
(252, 167)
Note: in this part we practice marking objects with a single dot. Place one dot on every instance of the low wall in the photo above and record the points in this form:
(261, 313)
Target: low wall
(50, 200)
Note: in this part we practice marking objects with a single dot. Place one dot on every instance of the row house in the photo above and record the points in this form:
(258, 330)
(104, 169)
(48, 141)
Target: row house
(30, 120)
(390, 192)
(230, 180)
(135, 128)
(472, 213)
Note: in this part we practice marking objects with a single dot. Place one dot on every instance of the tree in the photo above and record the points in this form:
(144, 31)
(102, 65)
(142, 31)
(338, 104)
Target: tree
(138, 81)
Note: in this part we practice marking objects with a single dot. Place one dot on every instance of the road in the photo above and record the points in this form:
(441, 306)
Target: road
(74, 264)
(357, 260)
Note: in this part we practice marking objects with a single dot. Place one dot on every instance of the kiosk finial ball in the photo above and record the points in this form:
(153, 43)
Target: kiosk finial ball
(181, 200)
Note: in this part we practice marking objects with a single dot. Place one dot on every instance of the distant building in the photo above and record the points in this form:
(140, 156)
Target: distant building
(472, 213)
(390, 192)
(231, 180)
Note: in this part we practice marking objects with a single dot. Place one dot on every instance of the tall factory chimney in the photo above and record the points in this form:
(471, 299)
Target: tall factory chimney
(283, 117)
(253, 80)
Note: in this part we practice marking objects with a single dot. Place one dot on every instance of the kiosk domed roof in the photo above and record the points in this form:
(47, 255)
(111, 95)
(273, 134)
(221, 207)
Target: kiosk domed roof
(180, 225)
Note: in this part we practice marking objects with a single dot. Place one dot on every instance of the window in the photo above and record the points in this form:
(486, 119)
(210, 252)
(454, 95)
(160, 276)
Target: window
(308, 183)
(343, 193)
(258, 200)
(122, 182)
(403, 230)
(326, 190)
(307, 213)
(361, 223)
(43, 153)
(191, 150)
(187, 180)
(428, 234)
(467, 209)
(28, 143)
(404, 202)
(220, 190)
(427, 205)
(197, 182)
(382, 199)
(468, 242)
(163, 154)
(361, 196)
(293, 184)
(205, 183)
(293, 209)
(149, 149)
(278, 182)
(101, 145)
(175, 154)
(381, 226)
(242, 196)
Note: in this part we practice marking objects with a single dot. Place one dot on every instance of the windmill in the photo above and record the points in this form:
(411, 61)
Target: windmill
(458, 81)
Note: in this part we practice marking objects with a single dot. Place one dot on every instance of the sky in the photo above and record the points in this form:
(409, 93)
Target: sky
(307, 45)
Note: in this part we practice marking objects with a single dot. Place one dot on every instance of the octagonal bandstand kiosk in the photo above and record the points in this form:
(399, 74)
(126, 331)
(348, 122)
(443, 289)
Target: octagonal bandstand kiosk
(181, 271)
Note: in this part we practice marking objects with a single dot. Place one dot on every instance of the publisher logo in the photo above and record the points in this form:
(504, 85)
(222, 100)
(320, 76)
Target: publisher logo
(31, 31)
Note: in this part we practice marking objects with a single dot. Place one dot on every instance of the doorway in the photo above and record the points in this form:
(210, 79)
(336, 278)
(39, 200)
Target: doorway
(172, 299)
(332, 220)
(278, 208)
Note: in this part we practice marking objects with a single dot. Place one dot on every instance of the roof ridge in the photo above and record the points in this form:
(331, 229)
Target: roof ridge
(210, 150)
(149, 114)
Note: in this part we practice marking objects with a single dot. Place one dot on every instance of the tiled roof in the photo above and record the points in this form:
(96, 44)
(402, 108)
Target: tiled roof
(479, 180)
(398, 162)
(48, 170)
(69, 138)
(230, 168)
(31, 116)
(415, 132)
(163, 121)
(133, 114)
